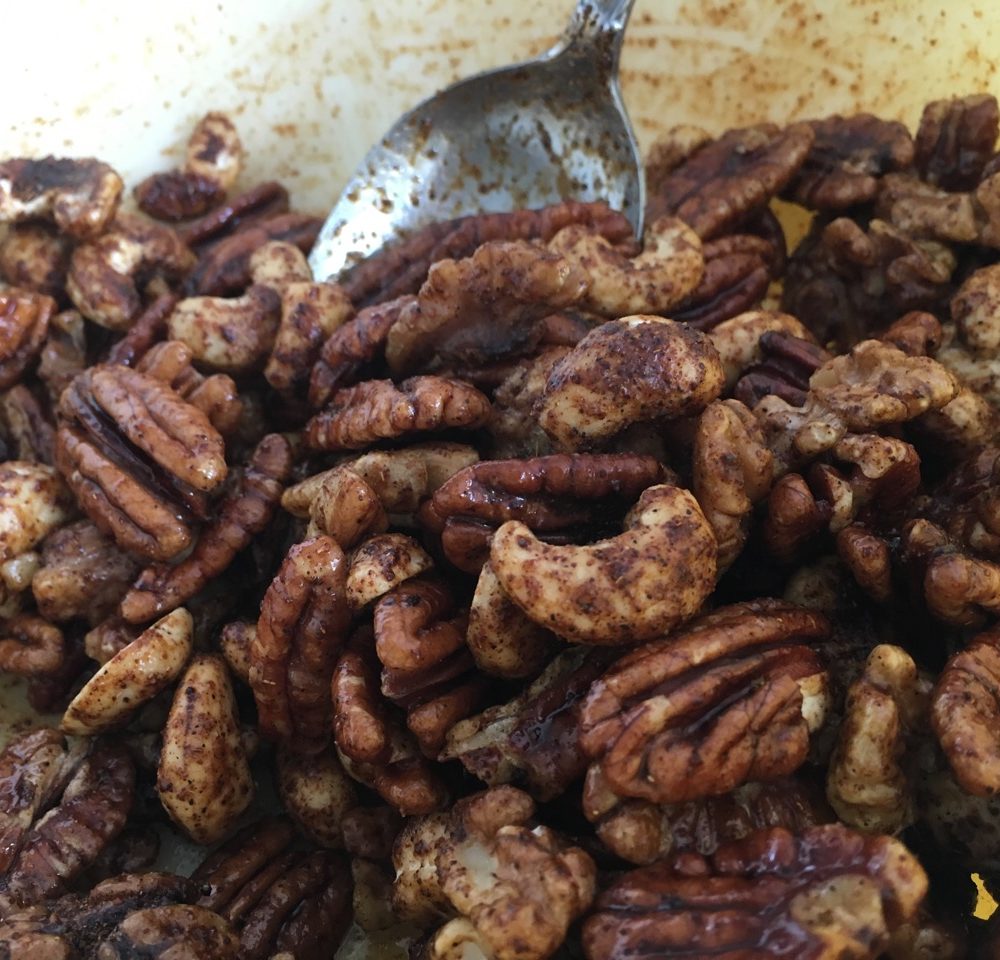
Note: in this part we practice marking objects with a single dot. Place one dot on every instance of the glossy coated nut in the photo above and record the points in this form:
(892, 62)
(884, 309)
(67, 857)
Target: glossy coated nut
(316, 793)
(24, 323)
(738, 339)
(633, 587)
(30, 646)
(176, 932)
(132, 677)
(660, 277)
(33, 503)
(628, 371)
(234, 643)
(381, 563)
(203, 779)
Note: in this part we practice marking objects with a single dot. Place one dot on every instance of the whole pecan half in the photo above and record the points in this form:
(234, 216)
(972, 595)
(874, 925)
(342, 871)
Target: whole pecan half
(731, 698)
(24, 324)
(303, 625)
(140, 460)
(824, 894)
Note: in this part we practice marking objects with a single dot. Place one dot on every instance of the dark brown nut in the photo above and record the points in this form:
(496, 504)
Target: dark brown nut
(233, 335)
(281, 902)
(203, 779)
(869, 559)
(372, 741)
(258, 203)
(139, 458)
(966, 502)
(745, 694)
(732, 471)
(83, 574)
(132, 677)
(36, 257)
(873, 386)
(867, 783)
(484, 308)
(669, 151)
(628, 371)
(426, 665)
(64, 353)
(668, 269)
(212, 164)
(514, 426)
(724, 182)
(148, 329)
(642, 832)
(180, 931)
(738, 271)
(108, 637)
(381, 563)
(242, 514)
(513, 890)
(964, 715)
(25, 426)
(62, 843)
(378, 410)
(79, 196)
(846, 282)
(234, 645)
(401, 269)
(30, 646)
(825, 893)
(353, 347)
(917, 334)
(738, 340)
(24, 324)
(103, 273)
(958, 587)
(956, 139)
(638, 585)
(502, 640)
(303, 624)
(786, 365)
(847, 157)
(531, 741)
(224, 268)
(33, 503)
(317, 794)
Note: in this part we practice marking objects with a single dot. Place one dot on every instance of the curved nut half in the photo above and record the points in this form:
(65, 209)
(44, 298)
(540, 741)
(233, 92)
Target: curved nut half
(132, 677)
(633, 587)
(203, 779)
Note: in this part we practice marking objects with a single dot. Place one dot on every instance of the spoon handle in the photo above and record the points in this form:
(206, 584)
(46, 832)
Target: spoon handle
(597, 28)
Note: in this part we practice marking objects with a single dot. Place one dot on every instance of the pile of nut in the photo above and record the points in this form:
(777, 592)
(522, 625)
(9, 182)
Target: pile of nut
(566, 593)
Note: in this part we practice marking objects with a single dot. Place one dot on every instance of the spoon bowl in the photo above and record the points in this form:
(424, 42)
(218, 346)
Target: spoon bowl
(523, 136)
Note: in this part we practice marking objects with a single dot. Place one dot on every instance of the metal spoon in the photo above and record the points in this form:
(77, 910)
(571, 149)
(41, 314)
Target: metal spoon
(523, 136)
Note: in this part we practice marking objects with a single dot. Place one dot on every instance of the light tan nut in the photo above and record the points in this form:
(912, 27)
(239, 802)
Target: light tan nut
(108, 638)
(33, 502)
(502, 639)
(203, 779)
(515, 890)
(733, 470)
(30, 646)
(176, 932)
(316, 793)
(668, 269)
(381, 563)
(633, 587)
(132, 677)
(24, 324)
(627, 371)
(234, 644)
(867, 783)
(79, 196)
(486, 307)
(304, 619)
(379, 410)
(830, 892)
(730, 699)
(82, 576)
(738, 339)
(103, 273)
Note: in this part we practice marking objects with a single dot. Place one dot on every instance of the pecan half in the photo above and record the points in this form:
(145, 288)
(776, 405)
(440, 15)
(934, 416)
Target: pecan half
(243, 513)
(785, 367)
(79, 196)
(627, 371)
(24, 324)
(139, 459)
(731, 698)
(846, 159)
(823, 894)
(723, 182)
(632, 587)
(515, 890)
(303, 624)
(378, 410)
